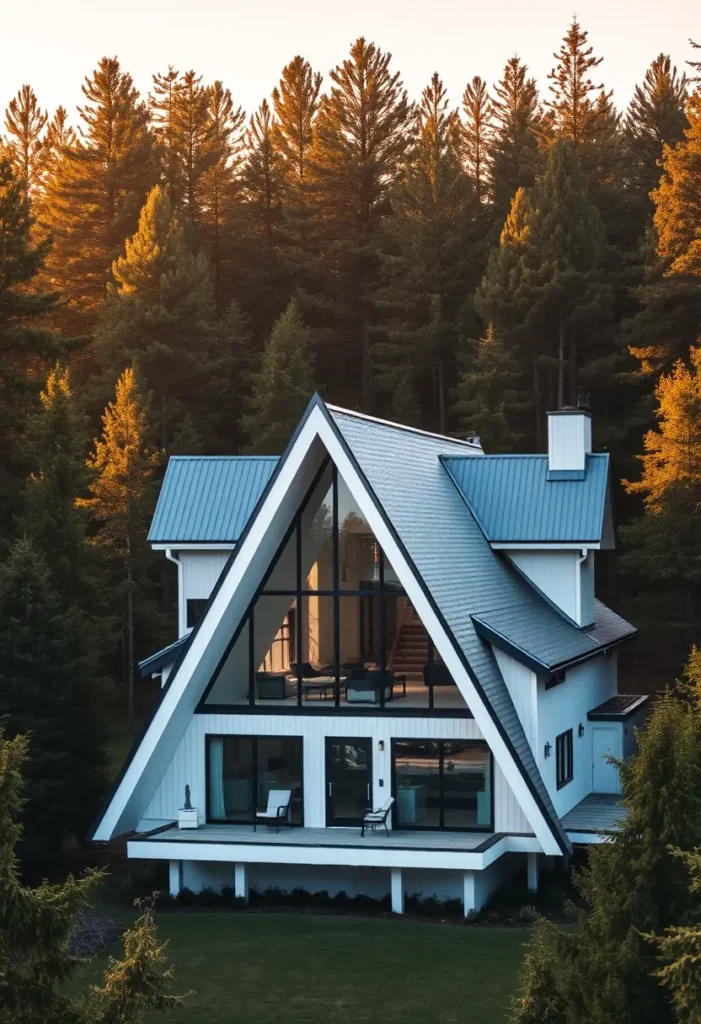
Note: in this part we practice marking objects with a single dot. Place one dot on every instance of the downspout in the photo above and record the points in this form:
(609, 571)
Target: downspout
(578, 587)
(182, 621)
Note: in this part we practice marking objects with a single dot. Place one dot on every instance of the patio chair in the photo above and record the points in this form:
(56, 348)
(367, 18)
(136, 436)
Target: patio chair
(278, 809)
(378, 818)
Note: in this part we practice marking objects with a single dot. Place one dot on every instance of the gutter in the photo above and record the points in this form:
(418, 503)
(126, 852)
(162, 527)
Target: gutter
(182, 620)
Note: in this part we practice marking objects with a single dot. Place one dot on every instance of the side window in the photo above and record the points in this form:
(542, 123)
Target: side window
(195, 608)
(563, 757)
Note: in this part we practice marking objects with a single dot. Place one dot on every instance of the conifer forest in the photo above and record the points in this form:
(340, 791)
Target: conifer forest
(178, 276)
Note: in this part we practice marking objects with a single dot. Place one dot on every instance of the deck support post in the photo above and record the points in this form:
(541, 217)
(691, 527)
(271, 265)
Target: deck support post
(175, 877)
(532, 872)
(397, 891)
(241, 882)
(469, 901)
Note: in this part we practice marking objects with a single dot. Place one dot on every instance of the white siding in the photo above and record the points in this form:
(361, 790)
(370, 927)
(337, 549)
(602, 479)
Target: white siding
(554, 573)
(564, 707)
(522, 685)
(569, 440)
(188, 764)
(201, 570)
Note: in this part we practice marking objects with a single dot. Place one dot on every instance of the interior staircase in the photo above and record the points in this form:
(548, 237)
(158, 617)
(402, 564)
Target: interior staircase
(411, 648)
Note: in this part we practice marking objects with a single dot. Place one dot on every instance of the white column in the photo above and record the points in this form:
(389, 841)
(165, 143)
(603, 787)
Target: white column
(240, 882)
(532, 872)
(468, 898)
(397, 891)
(175, 877)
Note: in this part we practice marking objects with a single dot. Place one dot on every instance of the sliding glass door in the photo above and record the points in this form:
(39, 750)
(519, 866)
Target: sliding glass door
(241, 771)
(442, 784)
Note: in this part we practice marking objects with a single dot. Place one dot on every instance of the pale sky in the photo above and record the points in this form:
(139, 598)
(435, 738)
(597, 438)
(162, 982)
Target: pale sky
(53, 45)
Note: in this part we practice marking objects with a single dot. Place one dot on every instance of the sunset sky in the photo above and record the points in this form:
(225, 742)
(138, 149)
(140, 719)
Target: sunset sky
(53, 46)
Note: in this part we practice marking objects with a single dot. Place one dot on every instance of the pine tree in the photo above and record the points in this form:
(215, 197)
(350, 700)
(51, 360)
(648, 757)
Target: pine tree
(539, 1001)
(678, 199)
(192, 138)
(25, 122)
(680, 948)
(160, 313)
(121, 502)
(236, 356)
(655, 118)
(220, 184)
(93, 202)
(264, 179)
(360, 137)
(59, 137)
(476, 130)
(282, 386)
(489, 395)
(428, 244)
(513, 153)
(43, 676)
(295, 102)
(36, 961)
(162, 105)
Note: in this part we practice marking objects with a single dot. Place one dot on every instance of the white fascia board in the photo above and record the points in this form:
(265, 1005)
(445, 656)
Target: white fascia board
(343, 856)
(237, 586)
(443, 643)
(228, 606)
(588, 838)
(181, 546)
(510, 546)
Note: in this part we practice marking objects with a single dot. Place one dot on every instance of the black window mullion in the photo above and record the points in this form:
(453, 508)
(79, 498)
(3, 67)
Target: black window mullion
(336, 607)
(251, 660)
(382, 630)
(300, 616)
(441, 808)
(429, 661)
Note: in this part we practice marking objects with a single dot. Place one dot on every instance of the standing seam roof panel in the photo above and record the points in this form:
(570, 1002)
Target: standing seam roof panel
(209, 499)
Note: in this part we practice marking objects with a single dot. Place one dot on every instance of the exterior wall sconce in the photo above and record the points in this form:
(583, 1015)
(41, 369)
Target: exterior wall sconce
(581, 730)
(381, 745)
(548, 749)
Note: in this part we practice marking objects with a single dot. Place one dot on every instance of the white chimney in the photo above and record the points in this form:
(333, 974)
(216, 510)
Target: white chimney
(569, 439)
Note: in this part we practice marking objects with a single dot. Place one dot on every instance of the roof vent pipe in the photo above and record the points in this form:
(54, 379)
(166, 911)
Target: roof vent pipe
(569, 439)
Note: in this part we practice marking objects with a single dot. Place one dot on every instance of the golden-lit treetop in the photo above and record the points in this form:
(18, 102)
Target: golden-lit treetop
(678, 199)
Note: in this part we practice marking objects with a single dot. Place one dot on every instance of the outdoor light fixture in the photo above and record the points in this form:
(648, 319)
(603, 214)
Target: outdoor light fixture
(381, 745)
(581, 729)
(548, 748)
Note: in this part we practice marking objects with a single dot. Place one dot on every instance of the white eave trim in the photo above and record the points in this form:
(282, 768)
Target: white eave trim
(535, 546)
(181, 546)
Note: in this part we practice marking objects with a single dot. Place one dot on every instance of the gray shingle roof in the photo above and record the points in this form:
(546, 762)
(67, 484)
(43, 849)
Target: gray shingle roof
(515, 499)
(609, 628)
(209, 499)
(167, 656)
(459, 570)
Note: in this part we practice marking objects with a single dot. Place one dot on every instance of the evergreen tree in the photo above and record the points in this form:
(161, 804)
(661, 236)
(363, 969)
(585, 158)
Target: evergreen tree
(236, 358)
(264, 179)
(93, 201)
(539, 1001)
(295, 102)
(160, 313)
(655, 118)
(427, 266)
(678, 199)
(489, 395)
(477, 131)
(220, 185)
(359, 141)
(192, 137)
(632, 887)
(25, 122)
(59, 137)
(680, 948)
(36, 927)
(282, 386)
(44, 677)
(513, 155)
(162, 105)
(123, 466)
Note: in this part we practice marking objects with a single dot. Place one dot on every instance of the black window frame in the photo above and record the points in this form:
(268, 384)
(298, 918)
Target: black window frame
(441, 827)
(564, 758)
(254, 762)
(196, 605)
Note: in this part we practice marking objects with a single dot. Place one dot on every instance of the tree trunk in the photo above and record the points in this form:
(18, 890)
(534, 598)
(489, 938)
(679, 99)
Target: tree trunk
(561, 365)
(536, 406)
(441, 394)
(130, 640)
(366, 367)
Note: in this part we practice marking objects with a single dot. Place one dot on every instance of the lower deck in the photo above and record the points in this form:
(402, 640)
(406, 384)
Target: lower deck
(592, 818)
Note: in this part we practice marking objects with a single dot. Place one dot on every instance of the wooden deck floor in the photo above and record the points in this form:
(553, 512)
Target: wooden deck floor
(595, 813)
(320, 837)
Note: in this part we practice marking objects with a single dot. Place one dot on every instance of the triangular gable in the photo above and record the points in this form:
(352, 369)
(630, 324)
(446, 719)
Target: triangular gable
(319, 433)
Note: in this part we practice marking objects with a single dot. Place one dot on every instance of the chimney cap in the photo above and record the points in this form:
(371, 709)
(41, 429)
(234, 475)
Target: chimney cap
(569, 410)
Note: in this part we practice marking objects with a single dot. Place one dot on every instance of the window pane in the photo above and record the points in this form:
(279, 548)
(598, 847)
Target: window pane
(318, 666)
(279, 760)
(359, 553)
(467, 798)
(231, 684)
(195, 606)
(274, 644)
(317, 538)
(417, 783)
(230, 778)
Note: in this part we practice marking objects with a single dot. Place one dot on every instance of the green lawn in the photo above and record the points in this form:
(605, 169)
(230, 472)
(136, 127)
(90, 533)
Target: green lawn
(295, 969)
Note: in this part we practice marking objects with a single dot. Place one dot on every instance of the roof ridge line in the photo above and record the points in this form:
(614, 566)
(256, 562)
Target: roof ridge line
(405, 427)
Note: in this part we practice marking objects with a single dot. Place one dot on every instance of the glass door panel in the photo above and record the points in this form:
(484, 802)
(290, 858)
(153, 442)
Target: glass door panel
(348, 780)
(417, 782)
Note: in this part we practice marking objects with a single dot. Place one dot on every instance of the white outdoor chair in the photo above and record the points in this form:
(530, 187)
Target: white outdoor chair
(377, 818)
(278, 809)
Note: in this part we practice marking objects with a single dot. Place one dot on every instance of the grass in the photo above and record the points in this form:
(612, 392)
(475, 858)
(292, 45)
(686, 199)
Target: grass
(300, 969)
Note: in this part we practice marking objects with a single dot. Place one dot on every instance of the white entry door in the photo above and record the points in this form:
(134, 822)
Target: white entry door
(605, 740)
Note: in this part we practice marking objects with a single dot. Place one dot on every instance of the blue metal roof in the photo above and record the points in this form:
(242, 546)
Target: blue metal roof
(160, 659)
(208, 499)
(515, 499)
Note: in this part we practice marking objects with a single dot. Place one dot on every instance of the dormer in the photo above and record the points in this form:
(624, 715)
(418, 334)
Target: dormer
(548, 514)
